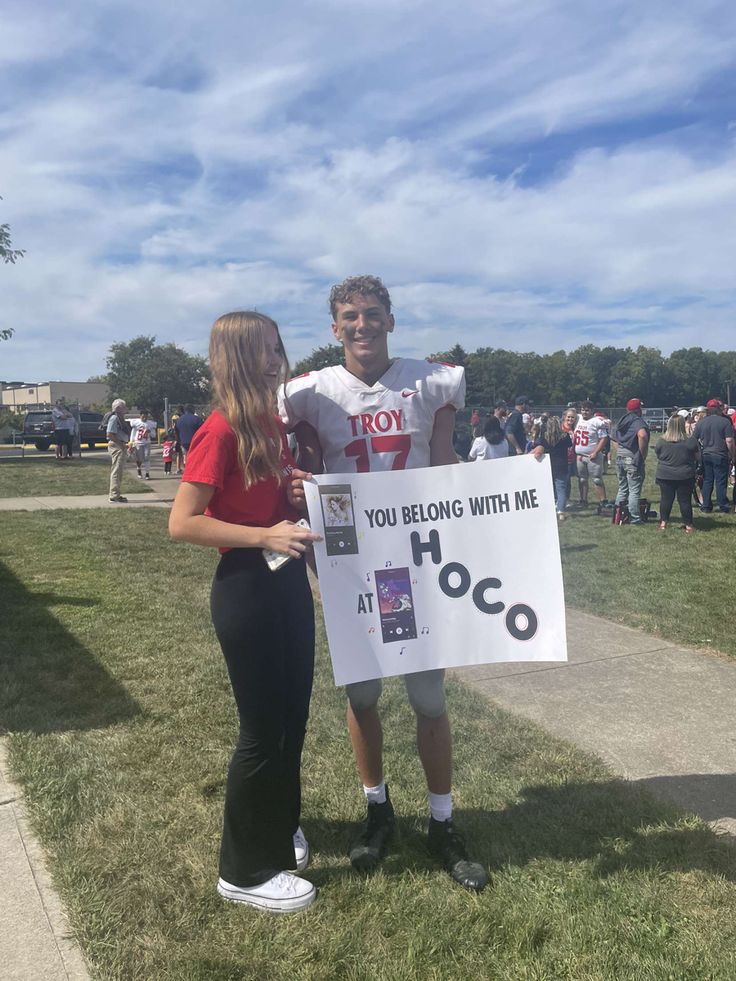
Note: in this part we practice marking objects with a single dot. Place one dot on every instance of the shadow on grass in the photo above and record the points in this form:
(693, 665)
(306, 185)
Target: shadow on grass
(577, 548)
(706, 522)
(712, 796)
(49, 682)
(612, 825)
(332, 839)
(54, 599)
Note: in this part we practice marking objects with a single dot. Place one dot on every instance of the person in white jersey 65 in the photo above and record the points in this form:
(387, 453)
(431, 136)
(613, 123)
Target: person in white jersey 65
(379, 413)
(591, 439)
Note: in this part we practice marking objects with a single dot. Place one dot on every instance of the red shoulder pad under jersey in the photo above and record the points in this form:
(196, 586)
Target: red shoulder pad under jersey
(447, 364)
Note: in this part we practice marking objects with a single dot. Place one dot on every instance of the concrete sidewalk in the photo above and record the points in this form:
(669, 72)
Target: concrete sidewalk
(659, 714)
(35, 938)
(82, 503)
(160, 493)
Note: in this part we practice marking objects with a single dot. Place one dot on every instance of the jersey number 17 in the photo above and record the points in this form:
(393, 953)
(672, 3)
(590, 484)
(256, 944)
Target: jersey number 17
(400, 445)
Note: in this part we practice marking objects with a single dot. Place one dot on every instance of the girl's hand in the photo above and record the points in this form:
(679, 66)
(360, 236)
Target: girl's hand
(295, 489)
(289, 539)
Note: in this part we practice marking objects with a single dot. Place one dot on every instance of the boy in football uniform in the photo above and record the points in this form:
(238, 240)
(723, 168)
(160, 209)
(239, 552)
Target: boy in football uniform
(591, 439)
(379, 413)
(140, 439)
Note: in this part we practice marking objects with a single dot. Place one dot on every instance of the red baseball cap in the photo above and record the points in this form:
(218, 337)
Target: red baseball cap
(634, 404)
(714, 404)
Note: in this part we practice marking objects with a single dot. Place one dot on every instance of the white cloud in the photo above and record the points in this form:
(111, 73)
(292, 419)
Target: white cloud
(161, 166)
(637, 69)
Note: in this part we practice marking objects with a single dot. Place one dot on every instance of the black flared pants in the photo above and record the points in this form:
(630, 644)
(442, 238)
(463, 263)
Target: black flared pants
(265, 625)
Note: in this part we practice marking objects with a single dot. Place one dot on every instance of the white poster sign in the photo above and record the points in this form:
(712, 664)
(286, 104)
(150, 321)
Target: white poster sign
(439, 567)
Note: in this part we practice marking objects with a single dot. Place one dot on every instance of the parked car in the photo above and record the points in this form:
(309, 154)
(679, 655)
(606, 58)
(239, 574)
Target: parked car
(656, 419)
(89, 429)
(39, 428)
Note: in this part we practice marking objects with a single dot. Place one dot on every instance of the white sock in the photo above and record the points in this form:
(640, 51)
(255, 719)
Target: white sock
(375, 795)
(440, 806)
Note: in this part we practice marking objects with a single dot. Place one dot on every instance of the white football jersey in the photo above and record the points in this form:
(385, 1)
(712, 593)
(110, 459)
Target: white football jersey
(141, 432)
(386, 426)
(588, 433)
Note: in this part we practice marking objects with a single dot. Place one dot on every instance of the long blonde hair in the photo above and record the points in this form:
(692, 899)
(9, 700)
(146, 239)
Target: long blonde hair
(238, 359)
(675, 431)
(551, 430)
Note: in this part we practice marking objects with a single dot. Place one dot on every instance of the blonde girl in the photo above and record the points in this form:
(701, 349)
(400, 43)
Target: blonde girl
(555, 440)
(677, 455)
(233, 497)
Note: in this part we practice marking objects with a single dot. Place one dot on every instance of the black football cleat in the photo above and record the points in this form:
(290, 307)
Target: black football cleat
(447, 844)
(372, 843)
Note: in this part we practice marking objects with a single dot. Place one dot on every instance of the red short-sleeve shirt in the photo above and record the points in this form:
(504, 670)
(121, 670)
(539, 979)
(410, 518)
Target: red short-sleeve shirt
(213, 459)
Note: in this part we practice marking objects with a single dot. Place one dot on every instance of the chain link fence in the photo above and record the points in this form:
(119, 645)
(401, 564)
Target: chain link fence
(172, 408)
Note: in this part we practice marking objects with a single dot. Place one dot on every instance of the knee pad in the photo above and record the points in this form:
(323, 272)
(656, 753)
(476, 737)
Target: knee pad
(364, 695)
(426, 691)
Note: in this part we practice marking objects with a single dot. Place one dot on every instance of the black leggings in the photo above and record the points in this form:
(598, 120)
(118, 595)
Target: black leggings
(684, 491)
(265, 625)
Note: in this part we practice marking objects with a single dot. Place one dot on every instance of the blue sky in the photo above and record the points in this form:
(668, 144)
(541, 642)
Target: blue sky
(533, 176)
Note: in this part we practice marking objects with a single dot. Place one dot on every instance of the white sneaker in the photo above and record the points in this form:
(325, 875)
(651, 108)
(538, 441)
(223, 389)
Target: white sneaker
(284, 893)
(301, 850)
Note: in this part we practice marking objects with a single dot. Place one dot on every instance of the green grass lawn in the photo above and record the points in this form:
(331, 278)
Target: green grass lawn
(669, 583)
(121, 724)
(49, 477)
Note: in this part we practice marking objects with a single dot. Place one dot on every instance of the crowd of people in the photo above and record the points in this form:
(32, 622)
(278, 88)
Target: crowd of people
(132, 438)
(696, 455)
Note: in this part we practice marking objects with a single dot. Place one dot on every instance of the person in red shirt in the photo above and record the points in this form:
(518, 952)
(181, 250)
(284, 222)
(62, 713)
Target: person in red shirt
(233, 497)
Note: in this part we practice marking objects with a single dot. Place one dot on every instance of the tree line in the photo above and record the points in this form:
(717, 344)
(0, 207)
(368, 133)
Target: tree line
(608, 376)
(143, 373)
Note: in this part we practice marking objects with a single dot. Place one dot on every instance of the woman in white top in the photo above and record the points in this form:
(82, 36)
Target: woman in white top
(492, 445)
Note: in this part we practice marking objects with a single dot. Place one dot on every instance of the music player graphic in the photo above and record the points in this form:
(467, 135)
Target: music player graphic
(395, 604)
(339, 519)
